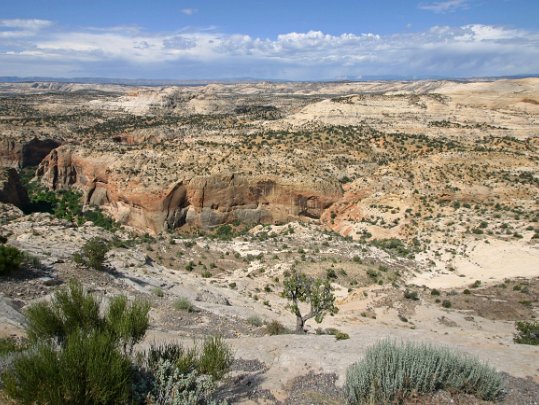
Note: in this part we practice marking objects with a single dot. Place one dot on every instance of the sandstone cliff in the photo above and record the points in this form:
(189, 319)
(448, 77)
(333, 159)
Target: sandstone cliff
(22, 153)
(197, 201)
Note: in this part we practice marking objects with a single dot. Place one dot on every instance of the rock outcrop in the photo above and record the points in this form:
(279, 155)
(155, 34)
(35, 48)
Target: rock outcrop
(22, 153)
(11, 189)
(197, 201)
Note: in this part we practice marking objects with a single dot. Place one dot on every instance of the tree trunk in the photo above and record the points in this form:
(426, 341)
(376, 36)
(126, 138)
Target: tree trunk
(300, 325)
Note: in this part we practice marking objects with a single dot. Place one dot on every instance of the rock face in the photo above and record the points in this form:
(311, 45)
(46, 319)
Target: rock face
(25, 153)
(198, 201)
(11, 189)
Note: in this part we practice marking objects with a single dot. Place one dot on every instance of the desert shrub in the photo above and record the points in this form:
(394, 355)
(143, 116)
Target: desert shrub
(435, 292)
(92, 254)
(446, 304)
(127, 324)
(88, 370)
(185, 360)
(527, 333)
(216, 357)
(71, 309)
(183, 304)
(342, 336)
(172, 387)
(186, 376)
(10, 259)
(276, 328)
(78, 351)
(255, 321)
(411, 295)
(390, 372)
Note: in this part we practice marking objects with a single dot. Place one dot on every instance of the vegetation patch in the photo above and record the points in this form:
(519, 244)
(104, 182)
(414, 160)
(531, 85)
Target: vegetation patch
(391, 372)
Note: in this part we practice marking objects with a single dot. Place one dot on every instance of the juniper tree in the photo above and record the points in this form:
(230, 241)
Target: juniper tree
(300, 288)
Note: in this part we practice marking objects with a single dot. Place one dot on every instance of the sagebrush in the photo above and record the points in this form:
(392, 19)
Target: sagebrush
(390, 372)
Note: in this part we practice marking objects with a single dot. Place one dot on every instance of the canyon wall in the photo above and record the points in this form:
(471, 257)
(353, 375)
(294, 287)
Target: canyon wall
(198, 201)
(25, 153)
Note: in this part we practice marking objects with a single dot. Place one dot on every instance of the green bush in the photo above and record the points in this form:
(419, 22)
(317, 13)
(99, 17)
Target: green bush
(183, 304)
(411, 295)
(527, 333)
(92, 254)
(391, 372)
(216, 357)
(11, 259)
(89, 370)
(78, 356)
(342, 336)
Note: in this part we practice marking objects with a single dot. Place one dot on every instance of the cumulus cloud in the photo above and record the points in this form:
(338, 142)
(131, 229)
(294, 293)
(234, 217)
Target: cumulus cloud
(444, 6)
(188, 11)
(470, 50)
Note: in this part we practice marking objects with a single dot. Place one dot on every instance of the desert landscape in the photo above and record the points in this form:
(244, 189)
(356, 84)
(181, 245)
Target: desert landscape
(417, 202)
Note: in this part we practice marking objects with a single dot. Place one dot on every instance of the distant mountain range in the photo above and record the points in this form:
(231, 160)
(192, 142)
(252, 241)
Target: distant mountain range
(202, 82)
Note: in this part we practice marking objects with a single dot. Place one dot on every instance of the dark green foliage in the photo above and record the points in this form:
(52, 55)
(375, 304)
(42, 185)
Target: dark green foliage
(215, 358)
(527, 333)
(411, 295)
(446, 304)
(390, 372)
(395, 246)
(10, 259)
(89, 370)
(71, 309)
(101, 220)
(64, 204)
(330, 274)
(78, 355)
(92, 254)
(127, 323)
(435, 292)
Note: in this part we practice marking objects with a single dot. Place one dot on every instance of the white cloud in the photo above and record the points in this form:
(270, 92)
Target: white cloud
(32, 24)
(189, 11)
(444, 6)
(470, 50)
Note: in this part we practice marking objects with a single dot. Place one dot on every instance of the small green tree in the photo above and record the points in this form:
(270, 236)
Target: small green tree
(300, 288)
(10, 259)
(92, 254)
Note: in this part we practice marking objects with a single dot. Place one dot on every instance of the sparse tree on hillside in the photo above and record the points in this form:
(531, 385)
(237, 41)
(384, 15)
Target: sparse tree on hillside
(300, 288)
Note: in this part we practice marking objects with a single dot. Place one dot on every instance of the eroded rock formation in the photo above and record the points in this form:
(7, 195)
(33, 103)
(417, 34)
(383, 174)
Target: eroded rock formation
(22, 153)
(197, 201)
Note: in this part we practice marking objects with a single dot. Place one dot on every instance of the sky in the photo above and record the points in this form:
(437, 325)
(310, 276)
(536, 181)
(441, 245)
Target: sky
(263, 39)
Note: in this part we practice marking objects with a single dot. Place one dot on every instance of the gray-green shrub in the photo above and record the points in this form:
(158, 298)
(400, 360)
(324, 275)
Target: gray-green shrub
(390, 372)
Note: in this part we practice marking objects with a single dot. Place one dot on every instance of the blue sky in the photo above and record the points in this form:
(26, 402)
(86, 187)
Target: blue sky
(293, 39)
